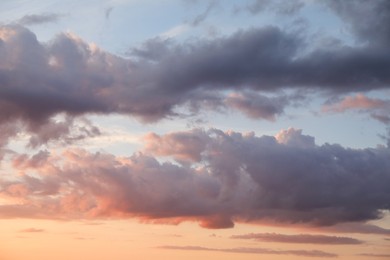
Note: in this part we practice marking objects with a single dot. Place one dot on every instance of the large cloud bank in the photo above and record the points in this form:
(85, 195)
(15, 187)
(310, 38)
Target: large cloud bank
(213, 177)
(227, 177)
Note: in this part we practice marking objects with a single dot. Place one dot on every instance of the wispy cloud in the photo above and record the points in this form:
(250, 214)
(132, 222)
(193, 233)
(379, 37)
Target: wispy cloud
(107, 12)
(300, 239)
(257, 250)
(32, 230)
(376, 255)
(358, 228)
(35, 19)
(280, 7)
(203, 16)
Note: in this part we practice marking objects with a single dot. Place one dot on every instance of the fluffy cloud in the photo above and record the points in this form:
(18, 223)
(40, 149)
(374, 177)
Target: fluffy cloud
(221, 178)
(228, 177)
(67, 75)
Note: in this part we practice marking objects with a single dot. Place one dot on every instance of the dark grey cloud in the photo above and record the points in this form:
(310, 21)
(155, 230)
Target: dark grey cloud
(34, 19)
(265, 59)
(256, 250)
(257, 106)
(224, 178)
(65, 132)
(375, 29)
(71, 76)
(299, 239)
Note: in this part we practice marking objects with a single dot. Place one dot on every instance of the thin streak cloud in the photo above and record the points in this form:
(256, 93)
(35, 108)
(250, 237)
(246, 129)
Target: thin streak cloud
(257, 250)
(299, 239)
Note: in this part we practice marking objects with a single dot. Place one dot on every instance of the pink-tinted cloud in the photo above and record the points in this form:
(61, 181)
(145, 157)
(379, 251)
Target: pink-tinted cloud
(300, 239)
(32, 230)
(230, 177)
(359, 101)
(376, 108)
(182, 146)
(294, 137)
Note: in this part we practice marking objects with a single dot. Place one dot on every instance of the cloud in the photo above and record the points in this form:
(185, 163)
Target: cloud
(301, 238)
(376, 255)
(35, 19)
(68, 75)
(376, 108)
(227, 177)
(182, 146)
(107, 12)
(358, 101)
(279, 7)
(261, 251)
(32, 230)
(359, 228)
(376, 15)
(257, 106)
(203, 16)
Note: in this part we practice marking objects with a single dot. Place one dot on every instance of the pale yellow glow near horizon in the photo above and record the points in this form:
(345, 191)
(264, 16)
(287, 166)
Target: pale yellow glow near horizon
(128, 239)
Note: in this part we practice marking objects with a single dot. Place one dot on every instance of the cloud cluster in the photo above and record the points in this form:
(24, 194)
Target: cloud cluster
(163, 74)
(227, 177)
(218, 177)
(69, 76)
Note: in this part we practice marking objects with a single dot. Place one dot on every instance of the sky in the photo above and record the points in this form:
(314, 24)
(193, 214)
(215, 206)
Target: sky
(179, 129)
